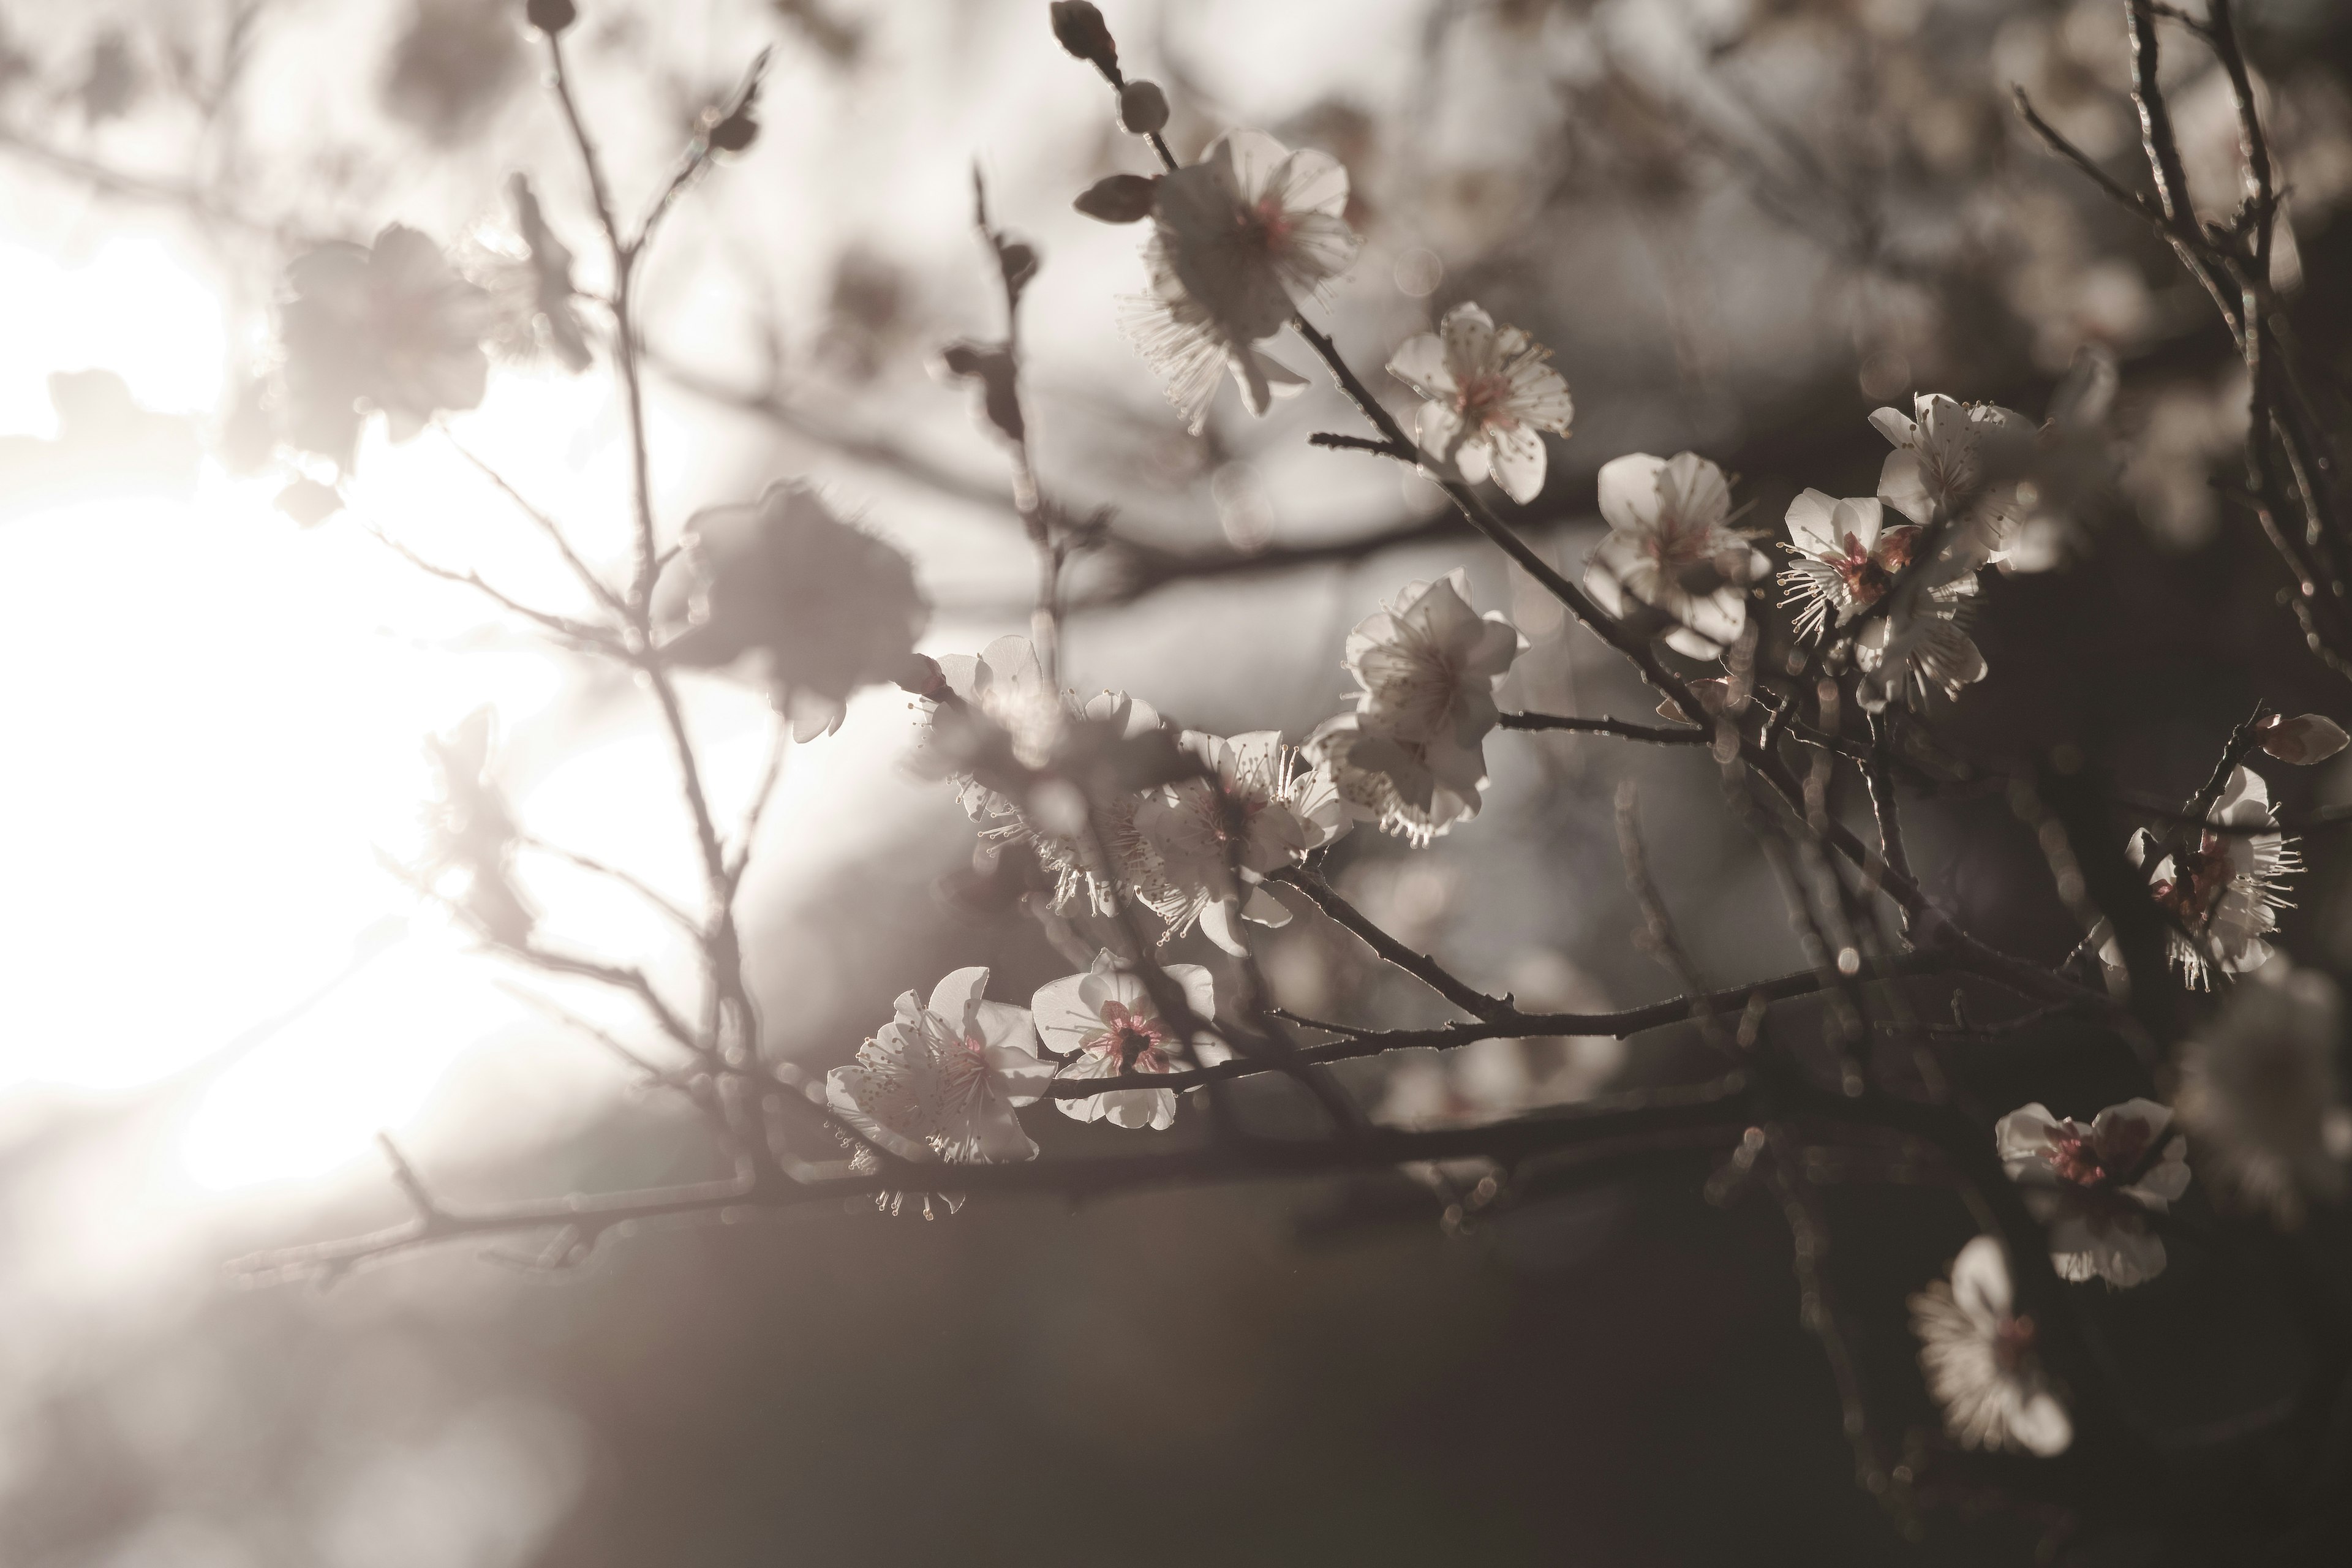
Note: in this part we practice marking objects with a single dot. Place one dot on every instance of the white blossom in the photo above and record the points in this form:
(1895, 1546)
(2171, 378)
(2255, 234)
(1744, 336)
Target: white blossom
(1412, 756)
(1670, 546)
(2094, 1187)
(1410, 789)
(1847, 562)
(1980, 1361)
(2225, 893)
(388, 326)
(1238, 238)
(1491, 396)
(940, 1079)
(818, 608)
(1955, 463)
(1106, 1024)
(1263, 810)
(2260, 1094)
(1904, 655)
(1427, 664)
(1006, 686)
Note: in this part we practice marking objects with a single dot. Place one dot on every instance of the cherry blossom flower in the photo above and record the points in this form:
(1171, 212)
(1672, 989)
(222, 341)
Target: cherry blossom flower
(1412, 756)
(940, 1079)
(2094, 1187)
(1979, 1360)
(1956, 463)
(1428, 664)
(1237, 239)
(1414, 790)
(389, 327)
(1670, 547)
(1905, 657)
(2260, 1094)
(1846, 560)
(2224, 894)
(1041, 730)
(1847, 563)
(1263, 810)
(1491, 396)
(820, 608)
(1106, 1024)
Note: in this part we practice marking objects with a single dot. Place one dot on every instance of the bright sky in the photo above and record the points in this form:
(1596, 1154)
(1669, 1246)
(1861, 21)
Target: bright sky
(216, 719)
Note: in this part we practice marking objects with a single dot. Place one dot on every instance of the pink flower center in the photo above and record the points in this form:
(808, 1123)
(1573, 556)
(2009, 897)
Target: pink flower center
(1133, 1039)
(1868, 574)
(1269, 225)
(1674, 544)
(1484, 402)
(2199, 879)
(2076, 1157)
(2013, 1343)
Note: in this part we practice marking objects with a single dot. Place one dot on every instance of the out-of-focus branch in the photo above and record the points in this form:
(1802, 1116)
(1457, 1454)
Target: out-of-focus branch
(1627, 1121)
(1420, 965)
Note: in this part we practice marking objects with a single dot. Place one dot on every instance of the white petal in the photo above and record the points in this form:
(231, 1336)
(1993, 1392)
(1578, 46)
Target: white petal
(1516, 461)
(1628, 490)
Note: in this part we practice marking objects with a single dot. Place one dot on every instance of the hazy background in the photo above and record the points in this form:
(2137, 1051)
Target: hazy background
(1741, 225)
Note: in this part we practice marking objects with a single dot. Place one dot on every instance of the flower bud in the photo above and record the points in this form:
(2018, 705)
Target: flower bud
(1120, 198)
(1143, 108)
(2313, 737)
(1081, 30)
(734, 132)
(549, 17)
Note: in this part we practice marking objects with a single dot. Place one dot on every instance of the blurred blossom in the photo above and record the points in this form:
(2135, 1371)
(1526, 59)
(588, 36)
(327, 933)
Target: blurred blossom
(1238, 240)
(1105, 1023)
(1980, 1359)
(2185, 431)
(471, 834)
(821, 609)
(2072, 469)
(1033, 767)
(390, 328)
(2223, 891)
(1670, 548)
(534, 314)
(867, 319)
(2261, 1095)
(2094, 1187)
(1491, 398)
(940, 1080)
(453, 65)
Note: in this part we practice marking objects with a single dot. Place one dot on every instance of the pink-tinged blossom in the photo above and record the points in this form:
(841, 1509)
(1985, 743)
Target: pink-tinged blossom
(1410, 789)
(940, 1079)
(1239, 239)
(1104, 1024)
(1670, 546)
(2094, 1187)
(1216, 837)
(2224, 894)
(1848, 562)
(1980, 1359)
(1491, 395)
(2261, 1096)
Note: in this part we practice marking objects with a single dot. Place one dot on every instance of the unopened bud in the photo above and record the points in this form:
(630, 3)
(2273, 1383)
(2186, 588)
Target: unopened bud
(2313, 737)
(1120, 198)
(1143, 108)
(735, 132)
(549, 17)
(1082, 31)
